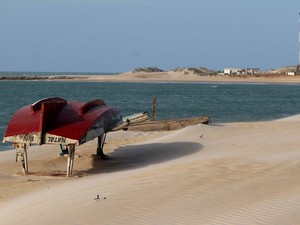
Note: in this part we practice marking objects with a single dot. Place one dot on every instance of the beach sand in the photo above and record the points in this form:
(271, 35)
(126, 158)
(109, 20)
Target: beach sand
(167, 77)
(171, 76)
(232, 173)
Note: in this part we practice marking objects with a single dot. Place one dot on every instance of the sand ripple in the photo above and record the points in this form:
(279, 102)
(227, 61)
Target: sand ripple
(239, 173)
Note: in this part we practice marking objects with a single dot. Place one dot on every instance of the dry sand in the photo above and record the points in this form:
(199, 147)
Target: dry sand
(171, 76)
(234, 173)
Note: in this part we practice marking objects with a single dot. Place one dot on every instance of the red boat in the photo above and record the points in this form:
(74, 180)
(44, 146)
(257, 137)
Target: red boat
(56, 121)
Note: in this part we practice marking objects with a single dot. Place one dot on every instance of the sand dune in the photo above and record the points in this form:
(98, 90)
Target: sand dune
(171, 76)
(235, 173)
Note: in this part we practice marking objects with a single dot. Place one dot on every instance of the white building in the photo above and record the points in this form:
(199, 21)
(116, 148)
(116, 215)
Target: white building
(241, 71)
(232, 71)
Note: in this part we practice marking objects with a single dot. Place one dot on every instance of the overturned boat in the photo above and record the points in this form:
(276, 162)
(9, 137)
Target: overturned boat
(57, 121)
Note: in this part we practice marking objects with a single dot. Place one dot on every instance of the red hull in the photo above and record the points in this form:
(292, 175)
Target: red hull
(56, 121)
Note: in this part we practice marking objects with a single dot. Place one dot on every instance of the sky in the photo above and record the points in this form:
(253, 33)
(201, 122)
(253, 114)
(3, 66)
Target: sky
(120, 35)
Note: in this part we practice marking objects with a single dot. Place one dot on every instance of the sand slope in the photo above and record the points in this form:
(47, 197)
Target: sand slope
(171, 76)
(236, 173)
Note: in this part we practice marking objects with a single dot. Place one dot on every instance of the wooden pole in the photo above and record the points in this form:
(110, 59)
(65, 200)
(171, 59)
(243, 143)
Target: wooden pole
(101, 140)
(154, 109)
(71, 149)
(24, 159)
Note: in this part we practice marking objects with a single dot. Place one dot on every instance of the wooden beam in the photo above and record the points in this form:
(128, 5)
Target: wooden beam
(101, 141)
(71, 149)
(154, 109)
(21, 151)
(25, 159)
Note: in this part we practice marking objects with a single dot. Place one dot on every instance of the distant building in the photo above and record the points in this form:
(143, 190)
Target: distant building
(240, 71)
(290, 73)
(232, 71)
(252, 71)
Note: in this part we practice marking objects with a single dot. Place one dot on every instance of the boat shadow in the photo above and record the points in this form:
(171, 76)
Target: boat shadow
(138, 156)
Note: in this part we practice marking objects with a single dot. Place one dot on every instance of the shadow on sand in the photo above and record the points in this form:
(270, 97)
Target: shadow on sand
(136, 156)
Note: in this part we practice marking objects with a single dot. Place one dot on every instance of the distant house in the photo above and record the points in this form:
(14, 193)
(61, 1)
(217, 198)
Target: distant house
(232, 71)
(252, 71)
(240, 71)
(290, 73)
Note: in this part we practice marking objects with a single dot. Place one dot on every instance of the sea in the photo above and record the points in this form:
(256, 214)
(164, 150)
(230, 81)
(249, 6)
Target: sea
(223, 102)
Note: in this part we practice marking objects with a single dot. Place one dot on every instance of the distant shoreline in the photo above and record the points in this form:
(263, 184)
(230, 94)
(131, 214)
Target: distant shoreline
(161, 77)
(58, 77)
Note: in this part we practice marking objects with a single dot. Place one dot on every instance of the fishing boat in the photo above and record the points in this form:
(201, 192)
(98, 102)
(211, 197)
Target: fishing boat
(65, 123)
(161, 125)
(142, 122)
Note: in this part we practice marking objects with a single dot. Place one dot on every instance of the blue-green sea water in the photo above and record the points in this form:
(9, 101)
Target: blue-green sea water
(222, 102)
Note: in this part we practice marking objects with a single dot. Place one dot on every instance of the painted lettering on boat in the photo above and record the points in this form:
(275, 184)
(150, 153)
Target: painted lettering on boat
(56, 140)
(28, 138)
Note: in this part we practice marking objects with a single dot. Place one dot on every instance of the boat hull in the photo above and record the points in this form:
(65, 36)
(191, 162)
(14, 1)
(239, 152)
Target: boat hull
(56, 121)
(166, 125)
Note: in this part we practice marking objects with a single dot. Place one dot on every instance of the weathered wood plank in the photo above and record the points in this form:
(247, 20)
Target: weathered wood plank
(166, 125)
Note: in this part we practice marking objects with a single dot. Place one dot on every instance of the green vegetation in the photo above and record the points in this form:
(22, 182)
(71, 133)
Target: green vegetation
(201, 71)
(147, 69)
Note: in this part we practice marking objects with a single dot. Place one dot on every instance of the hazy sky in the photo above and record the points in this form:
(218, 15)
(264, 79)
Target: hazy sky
(119, 35)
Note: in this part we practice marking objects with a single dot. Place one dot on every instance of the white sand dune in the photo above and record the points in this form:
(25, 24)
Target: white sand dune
(235, 173)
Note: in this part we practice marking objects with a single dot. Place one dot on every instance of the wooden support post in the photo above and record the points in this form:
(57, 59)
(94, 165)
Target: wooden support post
(101, 140)
(24, 159)
(71, 149)
(21, 151)
(154, 109)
